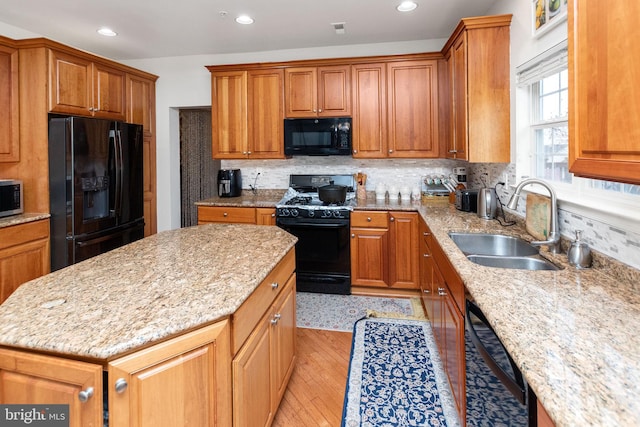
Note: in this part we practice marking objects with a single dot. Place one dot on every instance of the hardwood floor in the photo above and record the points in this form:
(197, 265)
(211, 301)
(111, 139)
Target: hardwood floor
(315, 394)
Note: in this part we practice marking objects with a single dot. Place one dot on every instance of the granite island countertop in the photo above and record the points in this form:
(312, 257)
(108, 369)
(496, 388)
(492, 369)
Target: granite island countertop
(573, 333)
(144, 292)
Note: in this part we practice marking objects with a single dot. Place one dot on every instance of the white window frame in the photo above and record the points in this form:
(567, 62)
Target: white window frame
(616, 209)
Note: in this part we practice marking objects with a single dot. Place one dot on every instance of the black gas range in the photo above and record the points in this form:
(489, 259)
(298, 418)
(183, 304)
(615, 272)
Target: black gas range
(323, 258)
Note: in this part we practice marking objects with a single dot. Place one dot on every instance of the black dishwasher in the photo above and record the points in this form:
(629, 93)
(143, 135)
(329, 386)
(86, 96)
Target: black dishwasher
(497, 393)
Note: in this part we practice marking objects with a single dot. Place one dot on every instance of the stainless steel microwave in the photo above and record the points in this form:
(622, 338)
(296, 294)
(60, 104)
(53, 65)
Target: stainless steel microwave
(317, 137)
(11, 197)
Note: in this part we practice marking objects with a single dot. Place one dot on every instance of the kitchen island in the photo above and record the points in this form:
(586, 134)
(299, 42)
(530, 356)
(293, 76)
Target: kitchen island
(196, 298)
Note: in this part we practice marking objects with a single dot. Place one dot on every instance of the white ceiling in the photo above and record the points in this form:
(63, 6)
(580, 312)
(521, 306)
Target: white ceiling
(152, 28)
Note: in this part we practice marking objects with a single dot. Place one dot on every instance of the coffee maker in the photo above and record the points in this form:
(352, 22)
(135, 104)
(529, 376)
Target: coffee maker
(229, 183)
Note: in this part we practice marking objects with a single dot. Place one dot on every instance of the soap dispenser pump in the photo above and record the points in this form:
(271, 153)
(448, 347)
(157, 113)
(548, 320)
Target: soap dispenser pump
(579, 253)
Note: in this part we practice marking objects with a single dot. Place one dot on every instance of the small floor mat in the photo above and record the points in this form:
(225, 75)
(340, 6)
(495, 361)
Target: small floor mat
(340, 312)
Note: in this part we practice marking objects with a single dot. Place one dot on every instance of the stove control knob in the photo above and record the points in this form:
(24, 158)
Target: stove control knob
(294, 212)
(337, 214)
(326, 214)
(284, 212)
(311, 213)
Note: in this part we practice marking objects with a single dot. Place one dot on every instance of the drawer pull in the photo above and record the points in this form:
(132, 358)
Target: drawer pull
(425, 234)
(275, 285)
(426, 255)
(368, 219)
(441, 292)
(84, 395)
(275, 319)
(225, 214)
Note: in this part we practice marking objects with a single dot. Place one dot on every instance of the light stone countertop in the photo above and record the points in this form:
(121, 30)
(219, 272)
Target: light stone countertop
(8, 221)
(143, 292)
(573, 333)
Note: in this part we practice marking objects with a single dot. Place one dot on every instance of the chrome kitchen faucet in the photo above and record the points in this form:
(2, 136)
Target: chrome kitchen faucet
(553, 242)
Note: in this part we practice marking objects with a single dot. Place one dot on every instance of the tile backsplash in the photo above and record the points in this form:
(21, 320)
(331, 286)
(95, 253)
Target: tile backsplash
(622, 245)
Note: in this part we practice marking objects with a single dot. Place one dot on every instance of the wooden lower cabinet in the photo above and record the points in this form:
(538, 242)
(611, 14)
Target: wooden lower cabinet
(259, 216)
(266, 216)
(208, 214)
(441, 287)
(24, 255)
(27, 378)
(263, 366)
(182, 381)
(384, 250)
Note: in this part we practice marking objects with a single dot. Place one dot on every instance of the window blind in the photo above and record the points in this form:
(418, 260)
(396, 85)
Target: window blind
(547, 63)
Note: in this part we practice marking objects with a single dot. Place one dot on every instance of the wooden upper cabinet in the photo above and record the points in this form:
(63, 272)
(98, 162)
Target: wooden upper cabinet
(604, 97)
(9, 119)
(412, 99)
(478, 95)
(229, 114)
(247, 110)
(369, 96)
(265, 113)
(318, 91)
(83, 87)
(141, 110)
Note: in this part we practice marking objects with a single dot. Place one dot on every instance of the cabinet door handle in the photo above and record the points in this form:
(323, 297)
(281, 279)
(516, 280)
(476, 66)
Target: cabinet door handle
(275, 285)
(84, 395)
(319, 110)
(121, 385)
(273, 215)
(426, 255)
(442, 292)
(355, 151)
(427, 291)
(390, 151)
(353, 236)
(275, 319)
(392, 219)
(453, 151)
(425, 234)
(248, 153)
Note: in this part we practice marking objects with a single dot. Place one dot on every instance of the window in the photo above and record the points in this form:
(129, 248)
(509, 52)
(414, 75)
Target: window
(542, 100)
(549, 115)
(549, 106)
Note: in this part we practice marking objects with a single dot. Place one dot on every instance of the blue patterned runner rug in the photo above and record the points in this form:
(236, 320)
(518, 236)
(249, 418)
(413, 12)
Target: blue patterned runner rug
(396, 377)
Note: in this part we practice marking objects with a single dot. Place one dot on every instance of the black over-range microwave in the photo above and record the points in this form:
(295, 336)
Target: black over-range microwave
(317, 137)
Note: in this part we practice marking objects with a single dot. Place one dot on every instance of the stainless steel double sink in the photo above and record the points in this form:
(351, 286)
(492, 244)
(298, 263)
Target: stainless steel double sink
(500, 251)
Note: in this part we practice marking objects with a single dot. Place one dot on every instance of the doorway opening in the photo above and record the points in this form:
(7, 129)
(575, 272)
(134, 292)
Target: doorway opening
(198, 170)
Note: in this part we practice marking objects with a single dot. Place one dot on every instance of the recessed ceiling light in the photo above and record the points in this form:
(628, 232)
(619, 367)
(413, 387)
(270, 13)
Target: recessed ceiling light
(104, 31)
(407, 6)
(244, 19)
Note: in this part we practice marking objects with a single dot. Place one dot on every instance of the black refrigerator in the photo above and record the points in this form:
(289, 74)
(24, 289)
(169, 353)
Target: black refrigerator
(96, 189)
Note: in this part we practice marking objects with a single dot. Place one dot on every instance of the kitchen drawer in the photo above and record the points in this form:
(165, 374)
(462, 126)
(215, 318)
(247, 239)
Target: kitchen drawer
(226, 214)
(247, 316)
(23, 233)
(370, 219)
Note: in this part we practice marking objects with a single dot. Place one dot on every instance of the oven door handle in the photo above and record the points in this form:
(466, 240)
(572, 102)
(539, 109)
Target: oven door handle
(514, 385)
(313, 224)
